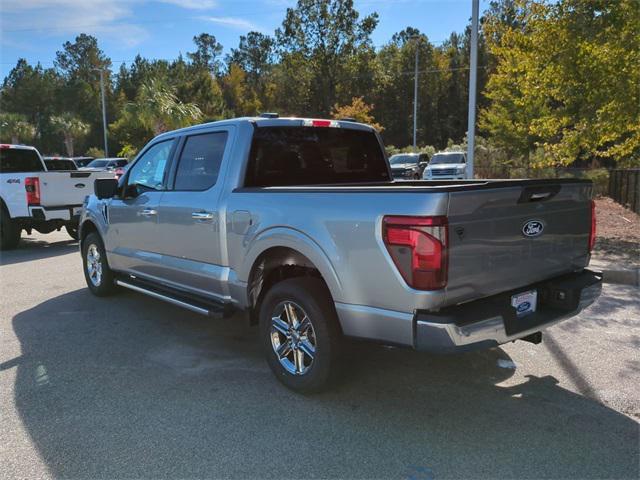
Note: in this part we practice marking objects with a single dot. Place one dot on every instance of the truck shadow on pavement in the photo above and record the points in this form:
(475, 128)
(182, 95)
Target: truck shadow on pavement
(131, 387)
(34, 249)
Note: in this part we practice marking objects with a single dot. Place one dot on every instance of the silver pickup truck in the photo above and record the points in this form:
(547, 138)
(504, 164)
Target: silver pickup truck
(299, 222)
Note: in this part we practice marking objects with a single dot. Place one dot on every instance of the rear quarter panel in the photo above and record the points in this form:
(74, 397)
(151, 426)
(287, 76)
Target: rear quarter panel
(13, 193)
(340, 233)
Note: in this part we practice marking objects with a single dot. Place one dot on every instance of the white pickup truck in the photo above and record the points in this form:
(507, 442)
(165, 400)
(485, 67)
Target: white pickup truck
(32, 198)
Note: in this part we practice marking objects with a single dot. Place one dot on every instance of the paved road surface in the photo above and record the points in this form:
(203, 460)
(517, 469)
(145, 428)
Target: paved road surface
(132, 387)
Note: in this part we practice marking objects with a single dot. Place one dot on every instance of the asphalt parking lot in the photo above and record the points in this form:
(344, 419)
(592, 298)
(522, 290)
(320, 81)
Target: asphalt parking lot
(132, 387)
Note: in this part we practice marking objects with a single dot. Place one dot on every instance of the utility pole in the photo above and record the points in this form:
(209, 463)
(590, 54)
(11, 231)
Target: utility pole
(415, 97)
(104, 111)
(473, 74)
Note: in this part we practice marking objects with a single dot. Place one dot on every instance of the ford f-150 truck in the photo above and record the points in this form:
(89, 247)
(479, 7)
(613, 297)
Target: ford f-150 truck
(34, 198)
(299, 222)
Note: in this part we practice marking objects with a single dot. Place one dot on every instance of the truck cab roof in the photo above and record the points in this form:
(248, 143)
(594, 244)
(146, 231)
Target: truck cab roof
(271, 122)
(21, 147)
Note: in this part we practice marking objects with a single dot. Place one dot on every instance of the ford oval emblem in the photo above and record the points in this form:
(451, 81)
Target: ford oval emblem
(523, 307)
(532, 228)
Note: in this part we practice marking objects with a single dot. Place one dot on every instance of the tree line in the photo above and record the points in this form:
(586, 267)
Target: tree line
(559, 83)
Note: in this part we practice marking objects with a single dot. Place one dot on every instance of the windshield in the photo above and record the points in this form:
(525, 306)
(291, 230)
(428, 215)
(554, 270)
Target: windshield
(13, 160)
(82, 162)
(400, 159)
(447, 158)
(98, 164)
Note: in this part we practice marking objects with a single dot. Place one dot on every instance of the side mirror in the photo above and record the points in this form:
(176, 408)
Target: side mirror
(131, 191)
(105, 187)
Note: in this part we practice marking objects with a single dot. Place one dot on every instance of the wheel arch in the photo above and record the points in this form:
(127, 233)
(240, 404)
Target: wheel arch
(286, 255)
(85, 228)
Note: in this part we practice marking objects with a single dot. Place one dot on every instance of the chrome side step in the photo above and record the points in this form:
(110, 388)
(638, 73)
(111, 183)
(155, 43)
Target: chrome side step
(175, 301)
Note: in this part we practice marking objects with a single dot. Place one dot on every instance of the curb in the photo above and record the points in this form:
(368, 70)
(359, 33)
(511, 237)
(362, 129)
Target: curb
(622, 277)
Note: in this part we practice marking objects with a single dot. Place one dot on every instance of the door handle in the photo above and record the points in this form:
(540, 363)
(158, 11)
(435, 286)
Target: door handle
(202, 216)
(148, 212)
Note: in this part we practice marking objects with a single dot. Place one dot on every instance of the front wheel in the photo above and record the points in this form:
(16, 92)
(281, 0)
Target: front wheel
(97, 273)
(300, 334)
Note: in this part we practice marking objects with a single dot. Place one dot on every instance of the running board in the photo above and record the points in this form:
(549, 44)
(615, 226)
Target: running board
(189, 302)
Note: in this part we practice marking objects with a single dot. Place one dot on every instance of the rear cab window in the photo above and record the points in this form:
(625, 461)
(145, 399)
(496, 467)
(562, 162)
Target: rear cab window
(60, 165)
(286, 156)
(17, 160)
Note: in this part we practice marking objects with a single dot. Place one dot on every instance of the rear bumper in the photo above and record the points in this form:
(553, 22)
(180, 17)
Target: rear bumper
(492, 321)
(58, 212)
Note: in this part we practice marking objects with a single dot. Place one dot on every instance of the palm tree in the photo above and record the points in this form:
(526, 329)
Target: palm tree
(71, 127)
(159, 110)
(16, 127)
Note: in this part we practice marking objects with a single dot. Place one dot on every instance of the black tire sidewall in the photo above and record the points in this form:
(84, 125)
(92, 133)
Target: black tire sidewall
(9, 231)
(72, 231)
(311, 295)
(106, 286)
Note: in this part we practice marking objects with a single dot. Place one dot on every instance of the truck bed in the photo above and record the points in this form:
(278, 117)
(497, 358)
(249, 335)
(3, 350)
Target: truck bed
(488, 252)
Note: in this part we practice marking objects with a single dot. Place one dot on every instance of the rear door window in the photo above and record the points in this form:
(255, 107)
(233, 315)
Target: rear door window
(282, 156)
(16, 160)
(200, 160)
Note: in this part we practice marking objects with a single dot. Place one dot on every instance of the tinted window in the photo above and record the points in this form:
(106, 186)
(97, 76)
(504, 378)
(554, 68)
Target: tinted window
(60, 165)
(200, 161)
(14, 160)
(400, 159)
(149, 169)
(98, 164)
(447, 158)
(82, 162)
(313, 156)
(117, 163)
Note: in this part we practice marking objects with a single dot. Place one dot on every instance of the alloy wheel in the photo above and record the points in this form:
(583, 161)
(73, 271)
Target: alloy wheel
(94, 265)
(293, 338)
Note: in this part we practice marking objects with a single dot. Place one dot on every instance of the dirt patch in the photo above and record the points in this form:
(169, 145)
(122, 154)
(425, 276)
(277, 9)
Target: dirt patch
(617, 233)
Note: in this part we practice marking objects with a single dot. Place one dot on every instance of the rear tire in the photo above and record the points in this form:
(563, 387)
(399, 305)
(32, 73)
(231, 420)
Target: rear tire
(300, 334)
(72, 231)
(9, 231)
(97, 273)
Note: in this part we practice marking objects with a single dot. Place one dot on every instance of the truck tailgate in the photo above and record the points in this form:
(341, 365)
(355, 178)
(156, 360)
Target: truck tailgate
(508, 237)
(59, 189)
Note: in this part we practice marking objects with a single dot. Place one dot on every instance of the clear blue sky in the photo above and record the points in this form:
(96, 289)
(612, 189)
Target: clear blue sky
(36, 29)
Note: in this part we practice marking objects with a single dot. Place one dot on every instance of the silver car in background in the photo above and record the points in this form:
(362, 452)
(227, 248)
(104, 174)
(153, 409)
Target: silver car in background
(446, 166)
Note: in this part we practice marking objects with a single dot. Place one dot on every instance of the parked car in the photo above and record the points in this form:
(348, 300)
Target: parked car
(119, 171)
(82, 161)
(106, 164)
(447, 166)
(59, 164)
(34, 198)
(299, 222)
(408, 166)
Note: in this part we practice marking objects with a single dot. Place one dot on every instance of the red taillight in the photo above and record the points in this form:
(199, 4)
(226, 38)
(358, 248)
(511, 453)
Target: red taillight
(32, 186)
(418, 247)
(592, 231)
